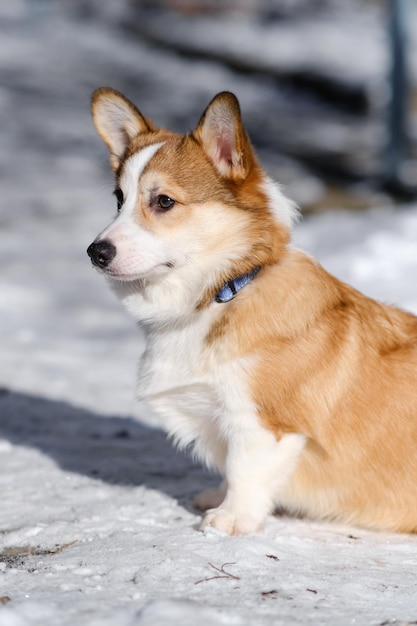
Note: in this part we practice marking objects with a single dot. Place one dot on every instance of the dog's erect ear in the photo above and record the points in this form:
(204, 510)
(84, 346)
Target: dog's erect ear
(117, 121)
(221, 133)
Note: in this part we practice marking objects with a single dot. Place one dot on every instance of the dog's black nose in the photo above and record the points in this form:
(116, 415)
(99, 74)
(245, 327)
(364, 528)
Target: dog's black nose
(101, 253)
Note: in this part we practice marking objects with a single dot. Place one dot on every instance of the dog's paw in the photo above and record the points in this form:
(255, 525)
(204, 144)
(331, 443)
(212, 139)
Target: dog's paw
(230, 523)
(210, 498)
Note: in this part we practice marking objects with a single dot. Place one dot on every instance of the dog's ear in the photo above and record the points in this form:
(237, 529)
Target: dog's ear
(117, 121)
(221, 134)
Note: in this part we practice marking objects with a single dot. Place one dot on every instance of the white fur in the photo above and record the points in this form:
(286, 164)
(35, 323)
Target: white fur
(284, 210)
(176, 379)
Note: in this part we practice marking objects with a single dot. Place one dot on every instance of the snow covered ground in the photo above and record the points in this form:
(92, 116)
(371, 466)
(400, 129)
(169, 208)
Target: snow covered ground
(96, 521)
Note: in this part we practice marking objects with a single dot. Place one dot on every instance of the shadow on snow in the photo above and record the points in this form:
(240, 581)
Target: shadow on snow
(117, 450)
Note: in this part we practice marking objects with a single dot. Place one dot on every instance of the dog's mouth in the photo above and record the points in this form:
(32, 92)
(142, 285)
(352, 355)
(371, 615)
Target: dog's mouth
(159, 269)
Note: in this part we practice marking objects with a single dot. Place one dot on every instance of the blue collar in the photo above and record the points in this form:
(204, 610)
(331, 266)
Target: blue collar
(232, 287)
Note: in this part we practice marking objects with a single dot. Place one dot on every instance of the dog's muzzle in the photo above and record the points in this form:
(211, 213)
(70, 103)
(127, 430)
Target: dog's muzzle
(101, 253)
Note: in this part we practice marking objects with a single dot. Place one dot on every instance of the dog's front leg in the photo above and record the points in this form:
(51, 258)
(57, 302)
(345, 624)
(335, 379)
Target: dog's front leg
(257, 467)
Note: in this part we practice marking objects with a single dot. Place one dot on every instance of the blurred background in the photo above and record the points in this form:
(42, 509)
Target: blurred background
(340, 116)
(327, 87)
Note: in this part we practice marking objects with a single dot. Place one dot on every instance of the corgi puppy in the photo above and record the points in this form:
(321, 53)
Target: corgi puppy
(298, 389)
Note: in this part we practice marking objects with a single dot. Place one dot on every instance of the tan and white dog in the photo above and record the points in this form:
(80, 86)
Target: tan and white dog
(301, 391)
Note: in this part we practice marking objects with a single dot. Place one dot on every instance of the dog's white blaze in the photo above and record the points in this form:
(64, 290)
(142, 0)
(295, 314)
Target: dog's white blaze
(129, 186)
(132, 172)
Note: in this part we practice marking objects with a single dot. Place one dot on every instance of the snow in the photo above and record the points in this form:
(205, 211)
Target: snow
(96, 521)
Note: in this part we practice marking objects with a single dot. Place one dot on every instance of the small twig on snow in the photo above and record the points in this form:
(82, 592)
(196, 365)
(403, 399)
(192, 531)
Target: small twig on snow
(222, 574)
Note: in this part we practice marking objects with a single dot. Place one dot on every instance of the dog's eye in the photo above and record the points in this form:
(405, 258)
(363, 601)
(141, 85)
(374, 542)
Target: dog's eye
(165, 202)
(119, 197)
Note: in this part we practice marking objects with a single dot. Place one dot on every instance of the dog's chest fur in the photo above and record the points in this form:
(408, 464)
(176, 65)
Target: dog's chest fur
(195, 393)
